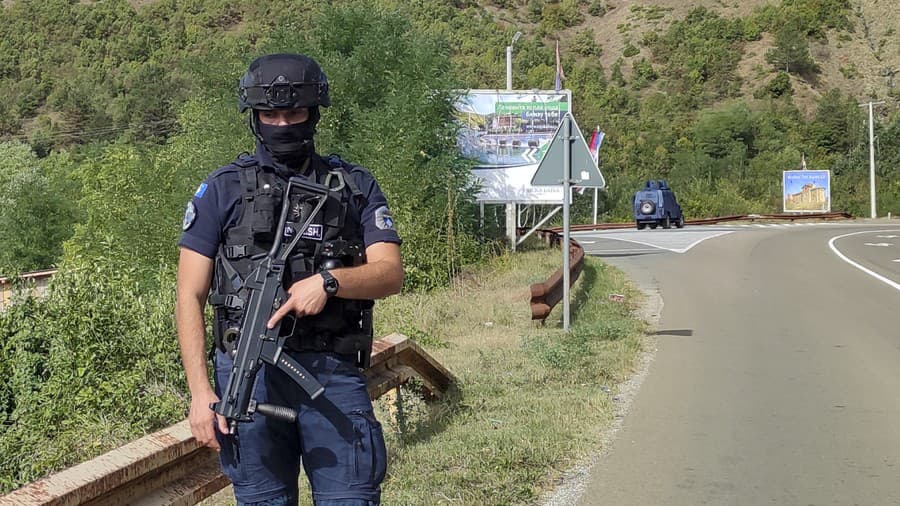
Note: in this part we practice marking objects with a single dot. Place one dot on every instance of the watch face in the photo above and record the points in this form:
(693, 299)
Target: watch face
(330, 284)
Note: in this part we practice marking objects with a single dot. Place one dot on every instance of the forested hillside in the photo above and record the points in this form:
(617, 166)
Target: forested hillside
(116, 110)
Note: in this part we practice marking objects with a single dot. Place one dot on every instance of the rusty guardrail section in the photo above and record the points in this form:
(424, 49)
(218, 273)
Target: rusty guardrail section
(169, 467)
(546, 295)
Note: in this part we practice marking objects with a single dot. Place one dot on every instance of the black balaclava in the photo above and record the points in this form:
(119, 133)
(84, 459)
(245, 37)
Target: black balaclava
(289, 144)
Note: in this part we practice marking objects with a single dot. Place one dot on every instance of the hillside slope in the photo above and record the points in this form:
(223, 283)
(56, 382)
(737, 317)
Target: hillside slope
(863, 62)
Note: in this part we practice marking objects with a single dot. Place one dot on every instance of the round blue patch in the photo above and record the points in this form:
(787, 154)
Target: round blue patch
(384, 220)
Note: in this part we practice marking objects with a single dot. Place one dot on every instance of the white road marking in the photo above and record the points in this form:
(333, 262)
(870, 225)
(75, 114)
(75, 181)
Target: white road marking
(612, 251)
(860, 267)
(880, 244)
(698, 241)
(664, 236)
(887, 236)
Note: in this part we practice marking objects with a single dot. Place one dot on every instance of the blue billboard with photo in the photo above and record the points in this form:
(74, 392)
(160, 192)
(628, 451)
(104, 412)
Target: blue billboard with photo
(807, 191)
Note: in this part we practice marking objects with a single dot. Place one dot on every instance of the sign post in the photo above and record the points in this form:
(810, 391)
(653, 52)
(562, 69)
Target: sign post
(568, 160)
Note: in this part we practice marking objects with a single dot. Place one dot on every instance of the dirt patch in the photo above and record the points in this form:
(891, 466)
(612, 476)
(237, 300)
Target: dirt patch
(628, 20)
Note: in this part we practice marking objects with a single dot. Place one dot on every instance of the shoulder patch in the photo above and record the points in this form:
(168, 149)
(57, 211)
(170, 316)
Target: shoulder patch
(245, 160)
(201, 190)
(190, 214)
(384, 219)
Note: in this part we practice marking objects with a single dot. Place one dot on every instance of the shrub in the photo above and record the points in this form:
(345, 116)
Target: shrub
(630, 51)
(584, 43)
(598, 8)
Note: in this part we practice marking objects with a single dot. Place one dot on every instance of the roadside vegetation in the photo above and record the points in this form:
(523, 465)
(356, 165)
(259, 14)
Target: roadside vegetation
(530, 402)
(532, 399)
(116, 110)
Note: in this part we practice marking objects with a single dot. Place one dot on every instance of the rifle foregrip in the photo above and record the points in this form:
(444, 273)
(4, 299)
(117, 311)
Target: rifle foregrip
(280, 412)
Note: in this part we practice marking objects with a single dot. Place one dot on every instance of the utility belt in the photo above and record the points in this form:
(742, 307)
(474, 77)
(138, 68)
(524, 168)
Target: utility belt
(354, 339)
(347, 344)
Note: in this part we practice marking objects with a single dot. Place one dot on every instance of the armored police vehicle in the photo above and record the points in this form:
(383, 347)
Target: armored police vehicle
(655, 205)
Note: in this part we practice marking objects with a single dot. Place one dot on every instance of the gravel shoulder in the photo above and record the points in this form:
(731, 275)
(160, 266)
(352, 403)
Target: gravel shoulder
(573, 483)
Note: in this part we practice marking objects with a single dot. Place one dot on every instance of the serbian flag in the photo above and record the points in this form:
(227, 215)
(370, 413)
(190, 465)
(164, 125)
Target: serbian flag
(560, 75)
(594, 145)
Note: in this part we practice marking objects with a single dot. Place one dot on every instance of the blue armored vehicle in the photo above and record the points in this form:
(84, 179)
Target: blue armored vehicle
(655, 205)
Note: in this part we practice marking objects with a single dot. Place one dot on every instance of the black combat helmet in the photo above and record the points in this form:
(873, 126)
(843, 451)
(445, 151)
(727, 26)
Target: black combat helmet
(283, 81)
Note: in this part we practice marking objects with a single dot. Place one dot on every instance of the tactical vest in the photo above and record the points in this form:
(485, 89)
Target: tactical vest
(333, 239)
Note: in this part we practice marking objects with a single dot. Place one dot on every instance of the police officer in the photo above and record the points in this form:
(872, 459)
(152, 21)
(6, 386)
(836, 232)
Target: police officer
(232, 217)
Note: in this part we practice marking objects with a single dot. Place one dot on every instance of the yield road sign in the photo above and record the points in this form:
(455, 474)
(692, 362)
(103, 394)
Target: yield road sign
(579, 165)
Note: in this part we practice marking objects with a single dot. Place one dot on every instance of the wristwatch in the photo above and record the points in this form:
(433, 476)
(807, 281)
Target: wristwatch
(330, 283)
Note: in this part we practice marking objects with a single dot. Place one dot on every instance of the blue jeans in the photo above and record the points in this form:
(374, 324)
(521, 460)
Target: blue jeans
(336, 438)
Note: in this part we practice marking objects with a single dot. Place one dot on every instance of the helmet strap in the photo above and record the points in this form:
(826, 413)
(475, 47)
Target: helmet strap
(254, 125)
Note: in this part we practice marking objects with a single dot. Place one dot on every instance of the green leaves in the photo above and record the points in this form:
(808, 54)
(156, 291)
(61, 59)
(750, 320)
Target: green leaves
(392, 113)
(791, 52)
(838, 124)
(92, 366)
(37, 210)
(700, 53)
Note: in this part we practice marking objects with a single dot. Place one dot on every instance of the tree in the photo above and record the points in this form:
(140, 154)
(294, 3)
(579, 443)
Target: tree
(585, 44)
(34, 218)
(791, 51)
(407, 89)
(718, 131)
(779, 86)
(837, 125)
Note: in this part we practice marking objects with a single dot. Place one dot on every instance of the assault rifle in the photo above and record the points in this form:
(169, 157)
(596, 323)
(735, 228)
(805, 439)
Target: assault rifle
(256, 343)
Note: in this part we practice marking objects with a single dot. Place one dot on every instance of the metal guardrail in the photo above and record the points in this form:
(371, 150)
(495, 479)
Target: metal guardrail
(545, 296)
(170, 468)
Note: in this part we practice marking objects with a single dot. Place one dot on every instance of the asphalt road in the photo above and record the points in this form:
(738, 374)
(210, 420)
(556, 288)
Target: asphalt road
(776, 378)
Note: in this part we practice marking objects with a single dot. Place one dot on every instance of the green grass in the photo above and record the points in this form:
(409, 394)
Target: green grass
(530, 400)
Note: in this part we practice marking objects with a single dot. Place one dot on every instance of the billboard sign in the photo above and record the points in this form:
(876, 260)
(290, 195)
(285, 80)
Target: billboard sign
(806, 191)
(507, 133)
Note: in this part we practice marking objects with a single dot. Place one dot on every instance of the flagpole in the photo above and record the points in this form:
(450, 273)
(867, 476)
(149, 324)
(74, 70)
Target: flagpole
(596, 190)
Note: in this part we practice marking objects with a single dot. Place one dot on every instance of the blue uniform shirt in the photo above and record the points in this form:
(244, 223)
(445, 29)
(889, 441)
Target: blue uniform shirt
(214, 207)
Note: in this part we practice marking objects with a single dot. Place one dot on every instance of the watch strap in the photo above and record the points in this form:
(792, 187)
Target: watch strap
(330, 283)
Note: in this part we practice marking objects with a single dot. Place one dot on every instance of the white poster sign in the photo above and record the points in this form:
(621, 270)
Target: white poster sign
(506, 134)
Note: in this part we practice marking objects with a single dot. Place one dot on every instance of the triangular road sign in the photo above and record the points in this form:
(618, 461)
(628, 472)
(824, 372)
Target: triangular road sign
(582, 171)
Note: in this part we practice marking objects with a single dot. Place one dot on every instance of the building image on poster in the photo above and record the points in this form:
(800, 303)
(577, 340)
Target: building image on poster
(506, 133)
(807, 191)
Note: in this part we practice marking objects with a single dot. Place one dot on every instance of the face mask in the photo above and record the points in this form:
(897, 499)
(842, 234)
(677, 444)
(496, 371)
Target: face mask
(290, 144)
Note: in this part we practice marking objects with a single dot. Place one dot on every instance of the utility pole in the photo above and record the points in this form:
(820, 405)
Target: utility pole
(511, 207)
(872, 154)
(509, 49)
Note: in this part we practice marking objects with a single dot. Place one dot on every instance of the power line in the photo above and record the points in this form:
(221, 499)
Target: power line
(80, 133)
